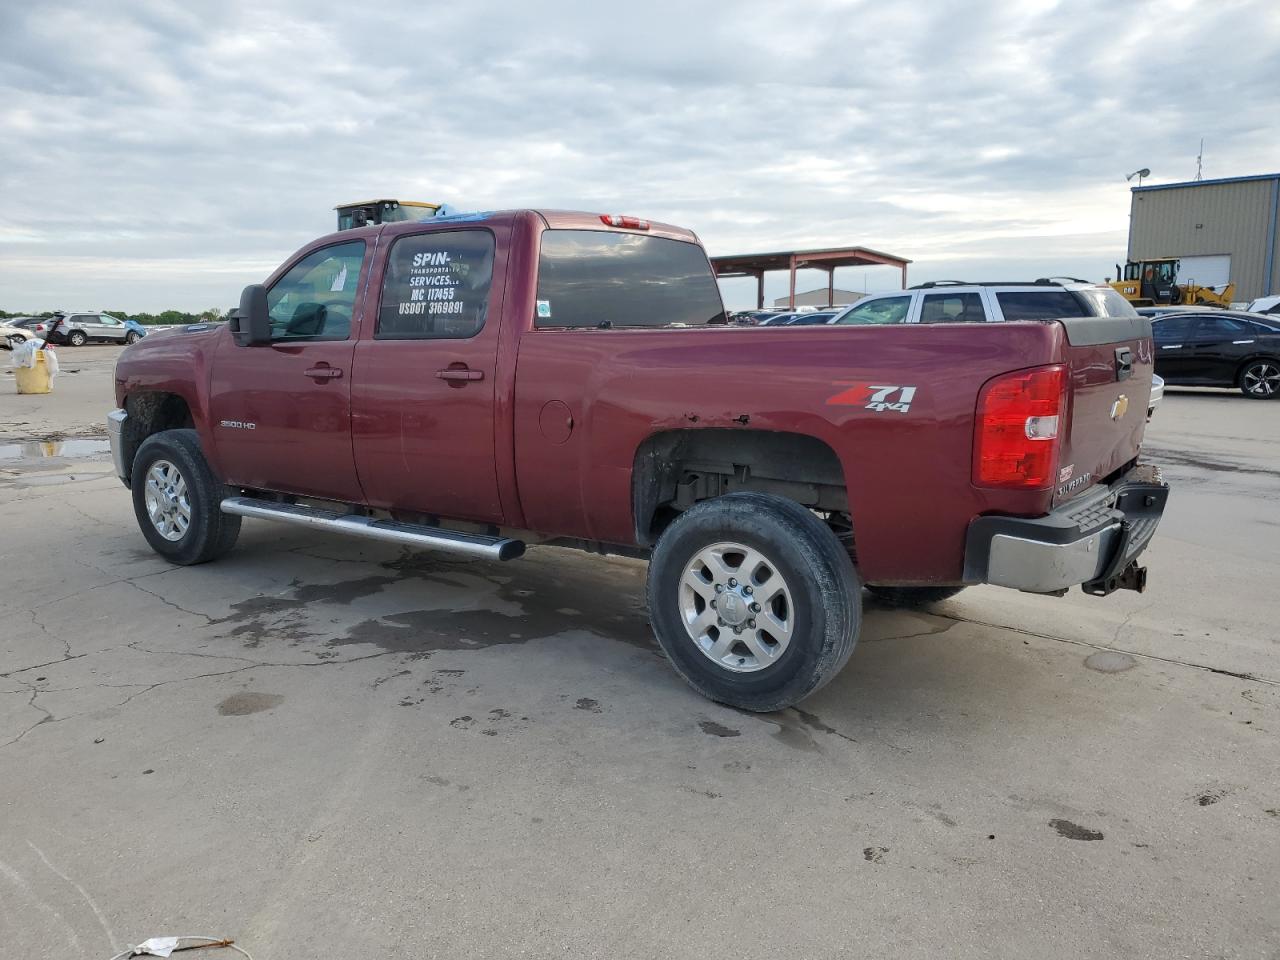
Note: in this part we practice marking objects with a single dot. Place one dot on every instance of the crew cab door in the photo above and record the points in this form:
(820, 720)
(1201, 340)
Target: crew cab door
(425, 384)
(281, 412)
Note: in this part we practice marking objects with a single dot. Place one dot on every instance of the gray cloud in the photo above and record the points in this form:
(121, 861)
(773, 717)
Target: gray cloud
(160, 155)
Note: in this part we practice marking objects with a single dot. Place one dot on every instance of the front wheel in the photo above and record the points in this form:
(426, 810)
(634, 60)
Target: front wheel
(1260, 379)
(77, 338)
(177, 500)
(754, 600)
(131, 337)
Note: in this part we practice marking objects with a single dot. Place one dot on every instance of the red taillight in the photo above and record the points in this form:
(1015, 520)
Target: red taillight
(631, 223)
(1020, 418)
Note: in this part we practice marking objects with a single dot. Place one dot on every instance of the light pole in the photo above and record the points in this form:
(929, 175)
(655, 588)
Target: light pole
(1140, 174)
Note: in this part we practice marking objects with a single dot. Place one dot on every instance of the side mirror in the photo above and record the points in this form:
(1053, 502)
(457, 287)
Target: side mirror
(251, 323)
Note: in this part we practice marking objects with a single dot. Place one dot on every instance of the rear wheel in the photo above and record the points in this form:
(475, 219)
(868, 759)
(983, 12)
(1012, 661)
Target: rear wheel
(912, 597)
(1260, 379)
(77, 338)
(754, 600)
(177, 500)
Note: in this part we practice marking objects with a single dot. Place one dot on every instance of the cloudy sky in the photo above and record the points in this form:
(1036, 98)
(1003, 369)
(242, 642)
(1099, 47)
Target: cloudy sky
(164, 154)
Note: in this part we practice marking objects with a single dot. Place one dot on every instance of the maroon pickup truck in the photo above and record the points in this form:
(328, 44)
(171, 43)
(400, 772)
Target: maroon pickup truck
(481, 382)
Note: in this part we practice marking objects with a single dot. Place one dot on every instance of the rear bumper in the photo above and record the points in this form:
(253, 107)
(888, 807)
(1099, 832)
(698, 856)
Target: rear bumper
(1093, 540)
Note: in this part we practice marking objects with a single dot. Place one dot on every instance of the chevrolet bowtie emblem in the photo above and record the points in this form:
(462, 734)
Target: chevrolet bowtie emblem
(1119, 407)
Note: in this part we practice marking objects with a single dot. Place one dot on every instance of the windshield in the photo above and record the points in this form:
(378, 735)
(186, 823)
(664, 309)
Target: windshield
(881, 310)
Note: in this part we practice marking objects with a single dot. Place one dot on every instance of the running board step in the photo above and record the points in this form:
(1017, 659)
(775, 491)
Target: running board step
(388, 531)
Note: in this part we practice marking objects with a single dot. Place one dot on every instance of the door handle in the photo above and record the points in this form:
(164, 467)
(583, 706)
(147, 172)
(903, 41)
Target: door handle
(459, 374)
(324, 372)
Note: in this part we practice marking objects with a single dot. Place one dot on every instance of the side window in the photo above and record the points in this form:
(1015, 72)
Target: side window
(881, 310)
(1040, 305)
(81, 318)
(1170, 328)
(952, 308)
(108, 320)
(314, 300)
(1215, 328)
(436, 286)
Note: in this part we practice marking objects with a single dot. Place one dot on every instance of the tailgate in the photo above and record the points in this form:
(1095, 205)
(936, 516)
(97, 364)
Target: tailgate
(1111, 362)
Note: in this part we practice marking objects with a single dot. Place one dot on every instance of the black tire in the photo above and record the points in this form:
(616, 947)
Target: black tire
(210, 533)
(131, 337)
(1258, 376)
(77, 338)
(824, 612)
(913, 597)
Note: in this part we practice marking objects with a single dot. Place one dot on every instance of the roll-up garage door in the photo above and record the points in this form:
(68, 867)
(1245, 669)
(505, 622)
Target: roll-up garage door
(1214, 271)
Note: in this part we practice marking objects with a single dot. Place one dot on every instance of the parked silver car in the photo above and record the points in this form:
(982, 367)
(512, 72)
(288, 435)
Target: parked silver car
(77, 329)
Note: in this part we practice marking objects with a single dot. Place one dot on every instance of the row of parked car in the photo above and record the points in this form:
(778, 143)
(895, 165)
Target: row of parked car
(1195, 346)
(71, 329)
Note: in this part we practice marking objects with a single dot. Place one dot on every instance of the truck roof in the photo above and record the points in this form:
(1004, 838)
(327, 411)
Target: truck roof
(554, 220)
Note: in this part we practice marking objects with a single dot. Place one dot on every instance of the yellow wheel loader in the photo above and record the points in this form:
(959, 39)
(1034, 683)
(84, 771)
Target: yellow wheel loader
(1152, 283)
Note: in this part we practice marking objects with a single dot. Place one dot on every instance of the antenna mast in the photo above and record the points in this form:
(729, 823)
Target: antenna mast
(1200, 161)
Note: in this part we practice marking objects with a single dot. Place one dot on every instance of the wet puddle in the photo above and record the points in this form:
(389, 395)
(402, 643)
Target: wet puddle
(41, 449)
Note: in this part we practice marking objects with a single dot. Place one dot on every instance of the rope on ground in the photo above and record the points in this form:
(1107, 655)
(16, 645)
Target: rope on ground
(164, 946)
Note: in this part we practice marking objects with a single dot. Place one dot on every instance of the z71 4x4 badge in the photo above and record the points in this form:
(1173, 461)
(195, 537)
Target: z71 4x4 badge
(873, 396)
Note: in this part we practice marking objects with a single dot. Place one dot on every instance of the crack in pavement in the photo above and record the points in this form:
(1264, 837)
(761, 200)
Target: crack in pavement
(1252, 677)
(147, 688)
(208, 620)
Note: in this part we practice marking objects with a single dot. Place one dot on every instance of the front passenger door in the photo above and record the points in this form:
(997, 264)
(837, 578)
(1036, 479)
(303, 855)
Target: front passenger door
(281, 412)
(1171, 335)
(109, 328)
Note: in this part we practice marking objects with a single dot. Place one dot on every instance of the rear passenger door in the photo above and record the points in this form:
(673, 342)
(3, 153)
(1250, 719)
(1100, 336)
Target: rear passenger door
(425, 375)
(1217, 345)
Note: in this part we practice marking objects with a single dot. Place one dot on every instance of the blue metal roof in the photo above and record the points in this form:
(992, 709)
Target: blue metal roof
(1206, 183)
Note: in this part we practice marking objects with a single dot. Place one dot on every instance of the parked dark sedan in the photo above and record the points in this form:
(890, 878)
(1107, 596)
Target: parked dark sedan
(1219, 348)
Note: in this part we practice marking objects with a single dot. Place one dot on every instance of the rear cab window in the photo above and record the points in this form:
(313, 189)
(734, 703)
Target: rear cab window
(601, 279)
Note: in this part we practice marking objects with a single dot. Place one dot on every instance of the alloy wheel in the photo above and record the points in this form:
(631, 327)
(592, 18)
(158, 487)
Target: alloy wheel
(1262, 379)
(167, 499)
(736, 607)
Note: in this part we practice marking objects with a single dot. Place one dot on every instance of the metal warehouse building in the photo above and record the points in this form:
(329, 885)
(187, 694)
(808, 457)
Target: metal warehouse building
(1221, 230)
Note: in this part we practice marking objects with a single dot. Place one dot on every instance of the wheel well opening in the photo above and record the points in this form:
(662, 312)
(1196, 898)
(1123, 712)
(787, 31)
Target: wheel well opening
(1245, 364)
(150, 413)
(678, 468)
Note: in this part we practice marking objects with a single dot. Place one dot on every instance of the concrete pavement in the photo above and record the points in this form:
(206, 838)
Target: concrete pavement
(325, 748)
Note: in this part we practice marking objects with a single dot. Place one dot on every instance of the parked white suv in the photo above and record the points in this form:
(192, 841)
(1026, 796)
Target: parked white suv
(952, 301)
